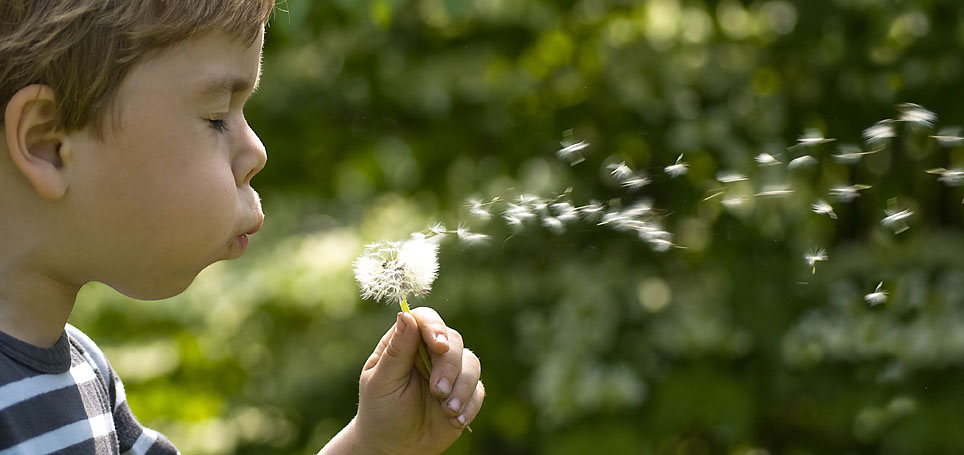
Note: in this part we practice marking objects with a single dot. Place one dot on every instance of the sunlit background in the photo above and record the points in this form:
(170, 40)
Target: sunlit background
(735, 335)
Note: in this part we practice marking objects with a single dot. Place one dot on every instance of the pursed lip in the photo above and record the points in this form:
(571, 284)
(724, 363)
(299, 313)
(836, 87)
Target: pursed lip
(257, 226)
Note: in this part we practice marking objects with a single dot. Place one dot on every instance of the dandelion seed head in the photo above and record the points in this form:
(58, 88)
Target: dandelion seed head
(391, 271)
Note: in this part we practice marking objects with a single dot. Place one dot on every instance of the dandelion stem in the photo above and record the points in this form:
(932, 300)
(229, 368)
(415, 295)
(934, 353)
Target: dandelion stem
(421, 347)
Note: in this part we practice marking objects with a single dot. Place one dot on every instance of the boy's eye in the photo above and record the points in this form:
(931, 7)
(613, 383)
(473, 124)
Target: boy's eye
(219, 125)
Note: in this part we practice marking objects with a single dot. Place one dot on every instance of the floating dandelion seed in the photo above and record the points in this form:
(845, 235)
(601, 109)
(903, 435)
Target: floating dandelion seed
(821, 207)
(730, 177)
(469, 237)
(733, 202)
(565, 212)
(554, 224)
(850, 154)
(620, 171)
(592, 212)
(949, 136)
(635, 182)
(800, 162)
(678, 169)
(847, 193)
(916, 115)
(572, 152)
(775, 190)
(880, 133)
(811, 137)
(813, 257)
(878, 296)
(766, 159)
(950, 177)
(896, 220)
(478, 209)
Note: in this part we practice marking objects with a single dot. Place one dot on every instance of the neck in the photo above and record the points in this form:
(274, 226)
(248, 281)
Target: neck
(34, 306)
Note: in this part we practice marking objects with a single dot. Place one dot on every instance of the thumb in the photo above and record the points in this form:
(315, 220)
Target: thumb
(398, 358)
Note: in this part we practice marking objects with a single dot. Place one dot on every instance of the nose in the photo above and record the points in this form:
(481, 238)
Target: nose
(250, 157)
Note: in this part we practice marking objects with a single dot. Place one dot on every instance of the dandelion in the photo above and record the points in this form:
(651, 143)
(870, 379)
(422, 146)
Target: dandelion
(878, 296)
(916, 115)
(730, 177)
(766, 159)
(813, 257)
(572, 152)
(802, 161)
(880, 133)
(821, 207)
(392, 271)
(850, 154)
(950, 177)
(896, 220)
(678, 169)
(847, 193)
(949, 136)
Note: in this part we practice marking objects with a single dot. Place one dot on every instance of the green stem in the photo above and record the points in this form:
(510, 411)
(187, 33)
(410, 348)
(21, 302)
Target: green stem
(421, 347)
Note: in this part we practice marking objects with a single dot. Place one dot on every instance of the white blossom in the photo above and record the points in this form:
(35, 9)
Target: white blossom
(392, 271)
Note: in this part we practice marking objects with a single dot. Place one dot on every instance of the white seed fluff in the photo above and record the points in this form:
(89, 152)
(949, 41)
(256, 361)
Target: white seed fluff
(391, 271)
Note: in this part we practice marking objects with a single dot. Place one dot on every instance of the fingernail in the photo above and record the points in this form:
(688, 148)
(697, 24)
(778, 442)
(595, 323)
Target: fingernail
(454, 404)
(443, 386)
(399, 325)
(461, 419)
(441, 339)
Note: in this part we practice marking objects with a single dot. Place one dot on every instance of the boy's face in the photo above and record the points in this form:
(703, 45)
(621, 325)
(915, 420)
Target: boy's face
(167, 191)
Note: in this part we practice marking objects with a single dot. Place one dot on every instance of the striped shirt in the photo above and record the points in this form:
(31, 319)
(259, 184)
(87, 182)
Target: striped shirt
(67, 400)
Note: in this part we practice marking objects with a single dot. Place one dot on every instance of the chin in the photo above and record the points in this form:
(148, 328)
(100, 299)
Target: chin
(156, 290)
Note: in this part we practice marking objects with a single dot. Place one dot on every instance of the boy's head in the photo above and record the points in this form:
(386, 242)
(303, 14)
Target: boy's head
(82, 49)
(125, 155)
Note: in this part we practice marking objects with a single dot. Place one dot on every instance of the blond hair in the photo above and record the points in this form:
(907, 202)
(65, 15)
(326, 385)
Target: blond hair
(83, 49)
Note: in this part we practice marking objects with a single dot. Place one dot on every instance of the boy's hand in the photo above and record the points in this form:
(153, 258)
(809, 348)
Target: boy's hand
(398, 411)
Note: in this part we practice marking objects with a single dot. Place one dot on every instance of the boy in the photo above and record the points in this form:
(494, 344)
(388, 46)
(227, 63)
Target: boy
(125, 158)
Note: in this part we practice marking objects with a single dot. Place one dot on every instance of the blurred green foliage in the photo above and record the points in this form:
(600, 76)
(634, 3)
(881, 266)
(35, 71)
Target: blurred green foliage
(383, 116)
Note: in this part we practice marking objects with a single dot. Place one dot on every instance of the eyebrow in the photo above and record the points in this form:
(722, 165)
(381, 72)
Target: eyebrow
(229, 84)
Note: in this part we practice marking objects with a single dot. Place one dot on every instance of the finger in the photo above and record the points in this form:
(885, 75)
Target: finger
(446, 367)
(399, 354)
(465, 385)
(471, 408)
(379, 349)
(433, 329)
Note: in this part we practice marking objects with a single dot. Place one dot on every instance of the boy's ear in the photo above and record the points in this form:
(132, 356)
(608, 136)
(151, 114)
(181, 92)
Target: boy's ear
(35, 143)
